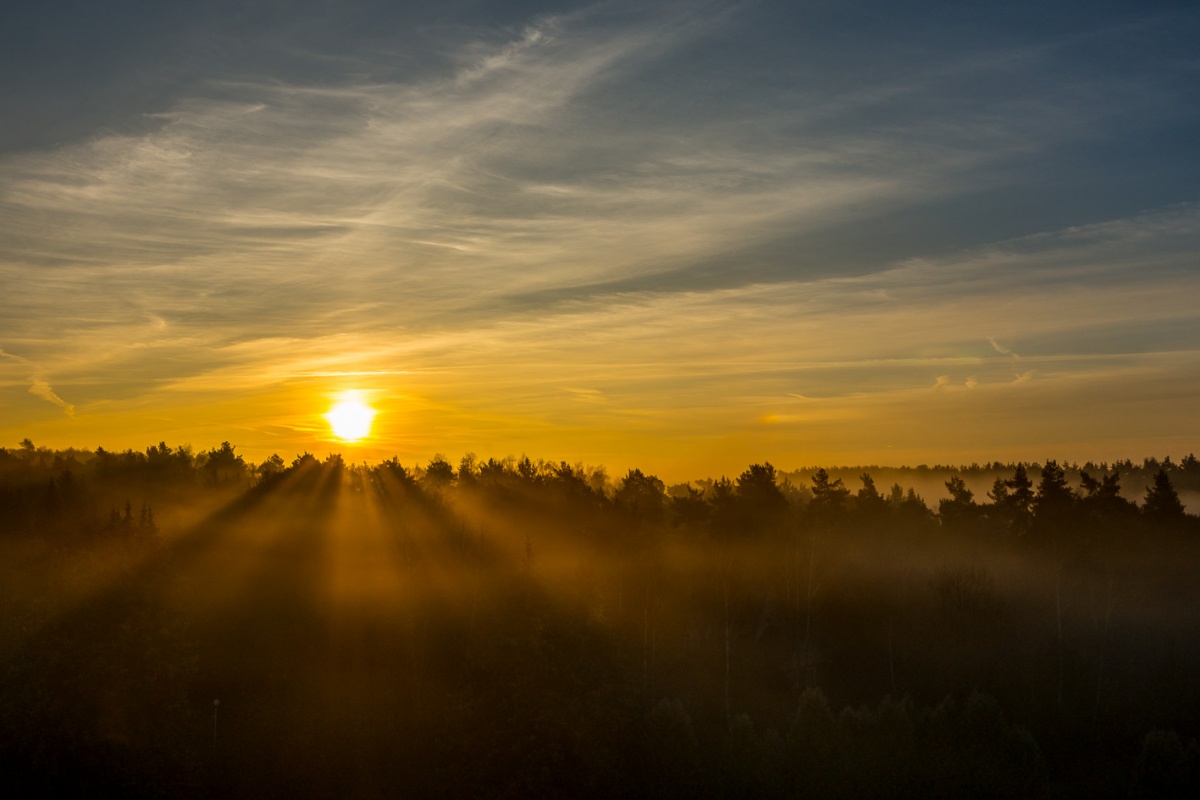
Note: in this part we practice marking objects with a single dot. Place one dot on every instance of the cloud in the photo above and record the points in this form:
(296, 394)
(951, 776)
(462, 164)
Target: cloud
(594, 199)
(514, 172)
(586, 395)
(1024, 377)
(39, 388)
(1001, 349)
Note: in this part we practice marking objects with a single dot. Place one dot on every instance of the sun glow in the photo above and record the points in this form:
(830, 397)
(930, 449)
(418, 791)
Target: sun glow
(350, 418)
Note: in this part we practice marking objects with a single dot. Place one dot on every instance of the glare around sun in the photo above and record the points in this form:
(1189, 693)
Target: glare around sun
(350, 419)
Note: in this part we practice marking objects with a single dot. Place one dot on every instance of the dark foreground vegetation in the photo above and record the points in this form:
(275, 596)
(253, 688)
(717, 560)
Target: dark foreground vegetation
(182, 624)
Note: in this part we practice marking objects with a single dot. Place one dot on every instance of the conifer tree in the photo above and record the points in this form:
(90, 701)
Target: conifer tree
(1162, 502)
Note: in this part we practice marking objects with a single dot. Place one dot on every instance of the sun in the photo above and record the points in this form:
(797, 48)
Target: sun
(350, 418)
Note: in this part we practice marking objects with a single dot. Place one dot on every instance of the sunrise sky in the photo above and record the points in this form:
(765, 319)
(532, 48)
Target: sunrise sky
(681, 236)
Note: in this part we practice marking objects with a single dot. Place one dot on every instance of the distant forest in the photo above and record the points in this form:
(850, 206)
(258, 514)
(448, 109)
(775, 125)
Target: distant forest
(177, 623)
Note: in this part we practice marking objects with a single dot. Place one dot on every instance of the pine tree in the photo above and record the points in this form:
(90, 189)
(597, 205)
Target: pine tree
(1162, 502)
(1054, 502)
(960, 508)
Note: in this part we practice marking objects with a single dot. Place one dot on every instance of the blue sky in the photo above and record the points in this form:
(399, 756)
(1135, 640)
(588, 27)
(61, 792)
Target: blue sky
(681, 235)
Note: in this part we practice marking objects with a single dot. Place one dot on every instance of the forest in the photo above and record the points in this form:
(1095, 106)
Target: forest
(177, 623)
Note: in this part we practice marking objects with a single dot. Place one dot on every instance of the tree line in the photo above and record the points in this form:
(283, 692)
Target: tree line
(52, 490)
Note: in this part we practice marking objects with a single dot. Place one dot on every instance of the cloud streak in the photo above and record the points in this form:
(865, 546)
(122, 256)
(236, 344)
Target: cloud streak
(39, 388)
(503, 168)
(1001, 349)
(630, 209)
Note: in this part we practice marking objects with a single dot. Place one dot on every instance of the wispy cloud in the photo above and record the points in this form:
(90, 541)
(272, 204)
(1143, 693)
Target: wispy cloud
(583, 206)
(40, 388)
(1001, 349)
(505, 173)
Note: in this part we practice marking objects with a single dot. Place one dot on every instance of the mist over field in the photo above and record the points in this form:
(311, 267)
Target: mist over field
(186, 624)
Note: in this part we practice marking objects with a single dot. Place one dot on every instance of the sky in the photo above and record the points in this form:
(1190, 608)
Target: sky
(679, 236)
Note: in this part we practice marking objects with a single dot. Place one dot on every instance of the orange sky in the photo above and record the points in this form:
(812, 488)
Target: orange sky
(618, 234)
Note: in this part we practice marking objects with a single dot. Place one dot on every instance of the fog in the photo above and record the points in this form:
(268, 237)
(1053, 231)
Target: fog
(186, 624)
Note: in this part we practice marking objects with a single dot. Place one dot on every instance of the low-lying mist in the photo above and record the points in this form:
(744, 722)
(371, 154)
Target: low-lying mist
(180, 624)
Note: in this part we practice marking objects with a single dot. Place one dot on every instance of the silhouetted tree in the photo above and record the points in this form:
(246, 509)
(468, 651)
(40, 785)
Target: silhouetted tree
(495, 473)
(689, 509)
(269, 469)
(960, 509)
(1012, 501)
(1162, 503)
(869, 503)
(829, 496)
(1054, 503)
(910, 509)
(146, 526)
(1102, 503)
(723, 519)
(527, 469)
(397, 472)
(761, 504)
(169, 465)
(304, 461)
(222, 465)
(122, 523)
(468, 469)
(439, 473)
(642, 496)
